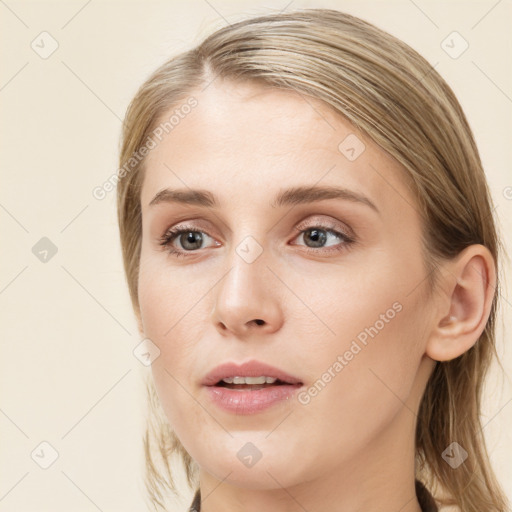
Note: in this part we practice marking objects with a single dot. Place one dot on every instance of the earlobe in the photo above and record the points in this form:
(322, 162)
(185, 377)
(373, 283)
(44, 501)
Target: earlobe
(463, 305)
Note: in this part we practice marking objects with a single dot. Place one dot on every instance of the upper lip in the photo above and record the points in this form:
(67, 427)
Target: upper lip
(247, 369)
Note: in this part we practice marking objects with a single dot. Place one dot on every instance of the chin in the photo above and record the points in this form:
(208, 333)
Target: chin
(270, 472)
(255, 478)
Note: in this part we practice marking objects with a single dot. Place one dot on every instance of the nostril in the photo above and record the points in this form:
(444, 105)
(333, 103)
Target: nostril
(259, 322)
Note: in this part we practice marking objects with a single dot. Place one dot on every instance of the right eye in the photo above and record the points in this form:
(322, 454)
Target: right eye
(190, 239)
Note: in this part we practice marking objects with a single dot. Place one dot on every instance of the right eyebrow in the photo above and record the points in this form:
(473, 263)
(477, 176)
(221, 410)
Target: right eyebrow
(192, 197)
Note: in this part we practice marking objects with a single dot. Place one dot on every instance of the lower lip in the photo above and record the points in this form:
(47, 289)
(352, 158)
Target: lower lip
(250, 401)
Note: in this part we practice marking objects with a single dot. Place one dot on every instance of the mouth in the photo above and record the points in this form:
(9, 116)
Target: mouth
(249, 375)
(253, 383)
(250, 388)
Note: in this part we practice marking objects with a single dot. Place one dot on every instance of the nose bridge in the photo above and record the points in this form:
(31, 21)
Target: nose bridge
(247, 277)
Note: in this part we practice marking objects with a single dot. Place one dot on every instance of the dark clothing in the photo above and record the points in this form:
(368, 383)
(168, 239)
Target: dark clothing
(425, 500)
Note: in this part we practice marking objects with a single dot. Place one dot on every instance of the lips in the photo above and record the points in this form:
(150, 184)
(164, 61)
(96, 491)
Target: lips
(247, 369)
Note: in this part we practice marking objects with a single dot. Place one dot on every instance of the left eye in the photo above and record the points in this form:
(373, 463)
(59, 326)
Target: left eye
(318, 236)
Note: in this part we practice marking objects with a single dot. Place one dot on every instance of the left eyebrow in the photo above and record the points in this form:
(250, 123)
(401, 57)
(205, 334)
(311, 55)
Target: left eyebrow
(301, 195)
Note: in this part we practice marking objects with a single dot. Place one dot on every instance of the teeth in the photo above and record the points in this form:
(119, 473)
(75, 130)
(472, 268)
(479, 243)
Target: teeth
(249, 380)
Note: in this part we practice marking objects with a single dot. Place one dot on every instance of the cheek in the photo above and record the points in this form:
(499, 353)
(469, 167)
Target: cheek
(176, 306)
(361, 387)
(368, 301)
(172, 318)
(169, 298)
(366, 370)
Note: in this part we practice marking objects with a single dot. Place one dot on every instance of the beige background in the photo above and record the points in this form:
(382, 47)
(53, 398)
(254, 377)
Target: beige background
(67, 372)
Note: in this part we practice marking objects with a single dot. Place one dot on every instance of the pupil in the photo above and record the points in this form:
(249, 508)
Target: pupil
(193, 237)
(317, 235)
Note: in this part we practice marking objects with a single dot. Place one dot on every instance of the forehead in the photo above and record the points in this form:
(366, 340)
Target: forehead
(245, 141)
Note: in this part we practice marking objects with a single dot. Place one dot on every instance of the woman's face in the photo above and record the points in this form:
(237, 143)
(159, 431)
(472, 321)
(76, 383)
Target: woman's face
(336, 280)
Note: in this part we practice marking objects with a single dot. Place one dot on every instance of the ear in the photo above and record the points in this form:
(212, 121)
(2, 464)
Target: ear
(467, 284)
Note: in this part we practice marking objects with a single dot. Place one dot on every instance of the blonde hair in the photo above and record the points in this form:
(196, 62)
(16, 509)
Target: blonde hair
(393, 95)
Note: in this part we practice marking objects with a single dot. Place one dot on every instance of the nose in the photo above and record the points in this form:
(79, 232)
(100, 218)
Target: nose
(247, 299)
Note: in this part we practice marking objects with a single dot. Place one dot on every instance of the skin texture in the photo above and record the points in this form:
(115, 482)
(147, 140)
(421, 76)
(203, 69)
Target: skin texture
(351, 447)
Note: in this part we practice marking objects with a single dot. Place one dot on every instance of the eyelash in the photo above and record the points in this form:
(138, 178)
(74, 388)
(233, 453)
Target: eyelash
(170, 235)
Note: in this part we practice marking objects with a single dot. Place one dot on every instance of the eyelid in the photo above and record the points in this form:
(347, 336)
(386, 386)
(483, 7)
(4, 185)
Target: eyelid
(346, 243)
(327, 224)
